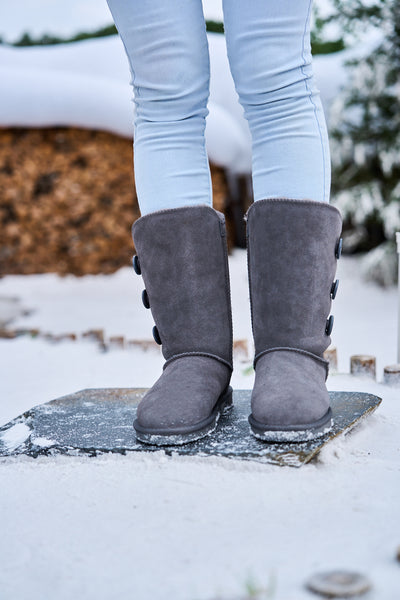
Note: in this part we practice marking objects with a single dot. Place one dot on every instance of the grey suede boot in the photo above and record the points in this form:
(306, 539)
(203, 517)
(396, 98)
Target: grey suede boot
(182, 256)
(293, 247)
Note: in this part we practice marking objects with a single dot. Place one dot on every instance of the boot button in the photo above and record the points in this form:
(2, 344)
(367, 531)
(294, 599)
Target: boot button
(334, 288)
(145, 299)
(136, 265)
(329, 325)
(338, 250)
(156, 336)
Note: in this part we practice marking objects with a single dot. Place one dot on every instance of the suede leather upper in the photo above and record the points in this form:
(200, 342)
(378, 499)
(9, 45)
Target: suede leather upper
(184, 394)
(184, 263)
(289, 389)
(292, 264)
(183, 257)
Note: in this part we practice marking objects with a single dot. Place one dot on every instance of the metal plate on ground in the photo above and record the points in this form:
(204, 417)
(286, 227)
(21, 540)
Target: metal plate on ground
(94, 421)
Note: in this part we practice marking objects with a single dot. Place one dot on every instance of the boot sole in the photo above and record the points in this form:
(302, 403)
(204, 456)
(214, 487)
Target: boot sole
(294, 433)
(184, 435)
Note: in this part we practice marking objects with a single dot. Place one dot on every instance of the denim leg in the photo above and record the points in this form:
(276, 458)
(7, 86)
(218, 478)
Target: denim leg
(269, 53)
(167, 49)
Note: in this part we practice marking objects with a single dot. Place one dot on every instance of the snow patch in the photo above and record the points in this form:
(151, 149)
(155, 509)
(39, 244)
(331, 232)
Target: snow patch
(302, 435)
(43, 442)
(15, 436)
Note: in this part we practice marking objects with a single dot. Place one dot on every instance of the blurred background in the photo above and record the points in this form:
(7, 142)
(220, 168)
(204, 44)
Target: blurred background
(67, 193)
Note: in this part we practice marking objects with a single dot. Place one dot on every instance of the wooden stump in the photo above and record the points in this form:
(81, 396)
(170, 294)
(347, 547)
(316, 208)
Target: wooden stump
(241, 350)
(116, 341)
(391, 375)
(363, 364)
(331, 356)
(94, 334)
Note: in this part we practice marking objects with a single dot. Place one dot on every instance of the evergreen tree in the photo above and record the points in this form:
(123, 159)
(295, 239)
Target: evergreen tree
(365, 130)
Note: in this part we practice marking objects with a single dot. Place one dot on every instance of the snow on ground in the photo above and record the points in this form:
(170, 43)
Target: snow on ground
(189, 528)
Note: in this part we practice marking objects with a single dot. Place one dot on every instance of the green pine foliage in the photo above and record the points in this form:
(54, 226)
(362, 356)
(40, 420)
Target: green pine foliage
(365, 129)
(319, 42)
(46, 39)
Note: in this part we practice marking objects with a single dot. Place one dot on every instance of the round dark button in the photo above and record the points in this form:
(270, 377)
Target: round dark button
(329, 325)
(334, 288)
(339, 247)
(156, 336)
(136, 265)
(145, 299)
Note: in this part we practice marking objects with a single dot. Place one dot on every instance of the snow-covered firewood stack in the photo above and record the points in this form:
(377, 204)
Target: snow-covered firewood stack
(67, 195)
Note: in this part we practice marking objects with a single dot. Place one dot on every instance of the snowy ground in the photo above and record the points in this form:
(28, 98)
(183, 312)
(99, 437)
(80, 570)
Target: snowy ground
(189, 528)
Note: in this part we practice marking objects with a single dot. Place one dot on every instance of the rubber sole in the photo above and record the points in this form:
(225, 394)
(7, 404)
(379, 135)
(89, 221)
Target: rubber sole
(184, 435)
(294, 433)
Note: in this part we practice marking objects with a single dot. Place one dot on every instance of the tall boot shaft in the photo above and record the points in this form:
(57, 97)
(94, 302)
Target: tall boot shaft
(184, 263)
(293, 246)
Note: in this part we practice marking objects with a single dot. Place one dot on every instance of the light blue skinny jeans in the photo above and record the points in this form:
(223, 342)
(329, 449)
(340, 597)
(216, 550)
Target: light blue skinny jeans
(269, 52)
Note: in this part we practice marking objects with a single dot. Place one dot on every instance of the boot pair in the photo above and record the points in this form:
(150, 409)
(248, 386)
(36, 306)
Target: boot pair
(292, 249)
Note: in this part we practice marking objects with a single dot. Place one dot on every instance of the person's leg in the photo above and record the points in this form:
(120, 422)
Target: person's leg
(189, 296)
(167, 49)
(269, 52)
(292, 230)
